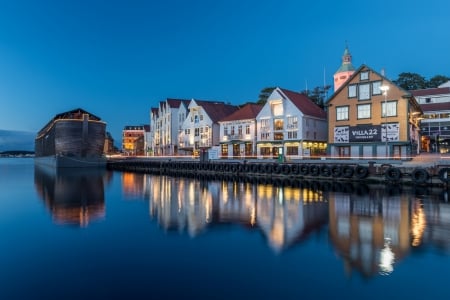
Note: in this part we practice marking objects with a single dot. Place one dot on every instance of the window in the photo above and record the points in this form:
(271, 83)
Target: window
(390, 107)
(427, 100)
(225, 130)
(364, 111)
(224, 150)
(265, 135)
(291, 150)
(196, 132)
(292, 123)
(232, 130)
(278, 136)
(341, 113)
(265, 124)
(364, 91)
(201, 117)
(277, 108)
(278, 124)
(376, 88)
(187, 131)
(247, 129)
(352, 91)
(292, 134)
(240, 129)
(364, 75)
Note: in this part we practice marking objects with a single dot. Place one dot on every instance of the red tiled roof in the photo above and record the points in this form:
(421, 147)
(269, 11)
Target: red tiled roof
(216, 110)
(304, 104)
(177, 102)
(435, 106)
(432, 91)
(248, 111)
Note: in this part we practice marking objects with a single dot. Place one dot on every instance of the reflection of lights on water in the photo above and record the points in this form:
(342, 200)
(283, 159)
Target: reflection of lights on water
(386, 258)
(418, 223)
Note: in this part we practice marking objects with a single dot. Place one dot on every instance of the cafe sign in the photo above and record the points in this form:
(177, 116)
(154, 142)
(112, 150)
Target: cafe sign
(365, 133)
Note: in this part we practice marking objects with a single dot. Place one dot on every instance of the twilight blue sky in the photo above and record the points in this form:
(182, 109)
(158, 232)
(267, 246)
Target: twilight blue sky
(117, 59)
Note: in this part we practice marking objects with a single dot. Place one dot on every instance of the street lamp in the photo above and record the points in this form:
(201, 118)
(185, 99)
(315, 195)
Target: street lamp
(384, 89)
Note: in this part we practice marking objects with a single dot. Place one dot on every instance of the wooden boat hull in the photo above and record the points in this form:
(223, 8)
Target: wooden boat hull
(72, 140)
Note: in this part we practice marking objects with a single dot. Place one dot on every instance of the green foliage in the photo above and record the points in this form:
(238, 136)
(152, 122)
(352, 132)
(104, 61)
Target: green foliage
(437, 80)
(414, 81)
(318, 95)
(264, 95)
(411, 81)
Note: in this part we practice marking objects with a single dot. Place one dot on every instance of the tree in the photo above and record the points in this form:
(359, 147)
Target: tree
(264, 94)
(437, 80)
(411, 81)
(318, 94)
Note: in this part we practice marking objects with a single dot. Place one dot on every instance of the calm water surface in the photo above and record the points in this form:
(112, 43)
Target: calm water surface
(112, 235)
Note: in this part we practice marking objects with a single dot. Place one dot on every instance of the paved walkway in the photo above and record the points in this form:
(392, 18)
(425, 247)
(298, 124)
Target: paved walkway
(429, 159)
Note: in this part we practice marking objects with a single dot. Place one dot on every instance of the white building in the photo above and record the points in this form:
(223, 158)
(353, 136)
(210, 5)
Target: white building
(238, 132)
(166, 123)
(292, 125)
(200, 130)
(435, 125)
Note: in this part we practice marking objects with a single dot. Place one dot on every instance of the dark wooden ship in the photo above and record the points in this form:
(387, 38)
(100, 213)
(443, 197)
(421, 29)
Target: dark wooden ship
(74, 138)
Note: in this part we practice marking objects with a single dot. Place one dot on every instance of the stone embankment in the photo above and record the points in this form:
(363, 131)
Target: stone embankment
(425, 170)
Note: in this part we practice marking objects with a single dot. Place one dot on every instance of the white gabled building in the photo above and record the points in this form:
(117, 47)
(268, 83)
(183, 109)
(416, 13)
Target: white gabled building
(200, 130)
(166, 123)
(238, 132)
(292, 125)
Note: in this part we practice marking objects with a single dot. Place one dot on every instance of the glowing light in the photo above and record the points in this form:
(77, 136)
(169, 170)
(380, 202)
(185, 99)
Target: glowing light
(386, 258)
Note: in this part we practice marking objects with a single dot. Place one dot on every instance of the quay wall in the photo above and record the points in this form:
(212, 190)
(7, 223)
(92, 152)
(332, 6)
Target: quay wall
(290, 173)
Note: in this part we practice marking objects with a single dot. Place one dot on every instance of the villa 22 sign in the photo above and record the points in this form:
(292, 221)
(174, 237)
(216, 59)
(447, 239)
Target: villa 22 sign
(366, 133)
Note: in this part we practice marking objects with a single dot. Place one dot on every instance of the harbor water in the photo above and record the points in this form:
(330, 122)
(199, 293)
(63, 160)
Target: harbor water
(120, 235)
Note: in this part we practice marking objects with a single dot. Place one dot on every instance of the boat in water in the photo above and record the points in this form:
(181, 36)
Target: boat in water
(72, 139)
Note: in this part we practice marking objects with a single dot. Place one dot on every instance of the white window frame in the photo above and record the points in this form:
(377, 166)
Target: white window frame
(342, 113)
(391, 109)
(364, 91)
(364, 111)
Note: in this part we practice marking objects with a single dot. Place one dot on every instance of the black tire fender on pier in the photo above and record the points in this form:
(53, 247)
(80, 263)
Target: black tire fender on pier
(336, 170)
(314, 170)
(303, 170)
(444, 175)
(347, 171)
(325, 171)
(420, 175)
(361, 172)
(393, 174)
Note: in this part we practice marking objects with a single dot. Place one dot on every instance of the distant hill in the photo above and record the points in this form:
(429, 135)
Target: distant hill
(11, 140)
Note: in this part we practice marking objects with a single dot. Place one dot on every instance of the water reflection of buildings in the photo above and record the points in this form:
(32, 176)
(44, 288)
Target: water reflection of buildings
(134, 185)
(379, 226)
(74, 196)
(285, 215)
(371, 228)
(366, 224)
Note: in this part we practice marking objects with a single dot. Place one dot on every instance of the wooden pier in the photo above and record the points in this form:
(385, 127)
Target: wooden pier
(431, 172)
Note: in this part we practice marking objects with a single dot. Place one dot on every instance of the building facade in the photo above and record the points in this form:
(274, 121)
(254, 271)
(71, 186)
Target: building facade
(200, 130)
(238, 132)
(435, 125)
(365, 122)
(166, 123)
(290, 125)
(134, 140)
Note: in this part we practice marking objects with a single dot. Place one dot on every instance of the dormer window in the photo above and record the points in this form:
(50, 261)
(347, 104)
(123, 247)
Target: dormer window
(364, 75)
